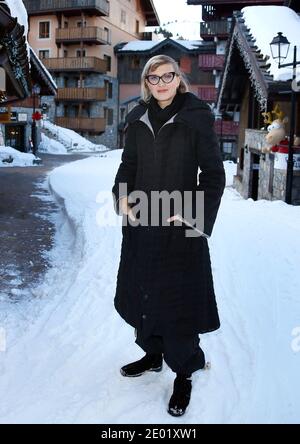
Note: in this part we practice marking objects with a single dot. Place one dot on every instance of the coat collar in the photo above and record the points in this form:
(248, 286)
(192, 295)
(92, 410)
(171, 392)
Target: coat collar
(190, 113)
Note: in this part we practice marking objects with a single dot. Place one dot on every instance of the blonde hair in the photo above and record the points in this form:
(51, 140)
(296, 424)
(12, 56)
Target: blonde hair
(154, 63)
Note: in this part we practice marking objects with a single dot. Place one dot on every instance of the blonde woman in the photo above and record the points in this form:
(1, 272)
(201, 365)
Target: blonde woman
(164, 285)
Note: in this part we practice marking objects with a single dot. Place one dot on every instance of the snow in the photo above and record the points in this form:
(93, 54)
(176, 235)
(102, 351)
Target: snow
(264, 23)
(9, 157)
(145, 45)
(51, 146)
(65, 342)
(43, 67)
(70, 139)
(231, 170)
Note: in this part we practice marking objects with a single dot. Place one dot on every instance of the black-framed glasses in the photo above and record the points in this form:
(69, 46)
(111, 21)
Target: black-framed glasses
(167, 77)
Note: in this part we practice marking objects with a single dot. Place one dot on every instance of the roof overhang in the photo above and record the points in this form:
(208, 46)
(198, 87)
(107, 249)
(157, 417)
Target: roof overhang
(41, 75)
(150, 12)
(14, 56)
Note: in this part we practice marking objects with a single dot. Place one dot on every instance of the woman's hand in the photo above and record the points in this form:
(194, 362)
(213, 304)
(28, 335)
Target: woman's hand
(125, 208)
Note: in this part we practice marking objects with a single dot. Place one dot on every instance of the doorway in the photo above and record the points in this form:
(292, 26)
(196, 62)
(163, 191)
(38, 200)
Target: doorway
(14, 137)
(254, 176)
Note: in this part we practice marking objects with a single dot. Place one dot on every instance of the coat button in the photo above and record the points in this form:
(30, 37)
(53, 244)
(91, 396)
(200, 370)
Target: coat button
(146, 296)
(144, 316)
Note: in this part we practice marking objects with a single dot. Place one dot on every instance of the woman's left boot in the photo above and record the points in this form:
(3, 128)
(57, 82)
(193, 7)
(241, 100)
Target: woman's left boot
(181, 394)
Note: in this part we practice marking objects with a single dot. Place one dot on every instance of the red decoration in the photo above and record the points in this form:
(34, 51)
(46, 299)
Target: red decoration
(37, 116)
(276, 148)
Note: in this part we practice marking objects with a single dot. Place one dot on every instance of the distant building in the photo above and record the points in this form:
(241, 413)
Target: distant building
(216, 27)
(20, 70)
(75, 40)
(254, 85)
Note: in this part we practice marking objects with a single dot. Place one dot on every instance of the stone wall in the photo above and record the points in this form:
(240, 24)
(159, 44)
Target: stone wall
(271, 181)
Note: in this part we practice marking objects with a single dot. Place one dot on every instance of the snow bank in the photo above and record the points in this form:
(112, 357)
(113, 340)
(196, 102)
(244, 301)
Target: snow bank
(264, 23)
(230, 170)
(65, 347)
(9, 157)
(51, 146)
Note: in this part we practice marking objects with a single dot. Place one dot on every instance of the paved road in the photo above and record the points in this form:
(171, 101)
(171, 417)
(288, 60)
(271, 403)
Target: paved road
(25, 228)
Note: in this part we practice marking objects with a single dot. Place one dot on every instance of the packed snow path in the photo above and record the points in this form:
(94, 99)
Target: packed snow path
(64, 348)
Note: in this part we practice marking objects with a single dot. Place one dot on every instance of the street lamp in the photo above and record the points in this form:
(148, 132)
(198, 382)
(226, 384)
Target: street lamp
(36, 89)
(279, 50)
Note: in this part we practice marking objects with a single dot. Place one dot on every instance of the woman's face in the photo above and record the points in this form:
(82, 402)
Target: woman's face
(163, 92)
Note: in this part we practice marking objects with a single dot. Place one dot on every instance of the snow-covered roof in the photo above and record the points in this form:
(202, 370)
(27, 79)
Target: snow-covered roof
(264, 22)
(18, 11)
(146, 45)
(39, 64)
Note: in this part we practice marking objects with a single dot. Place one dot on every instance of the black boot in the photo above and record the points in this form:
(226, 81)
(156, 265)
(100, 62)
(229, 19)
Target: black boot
(181, 394)
(150, 363)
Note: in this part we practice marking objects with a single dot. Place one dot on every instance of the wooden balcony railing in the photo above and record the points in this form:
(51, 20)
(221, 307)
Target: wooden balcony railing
(207, 93)
(28, 102)
(78, 94)
(226, 127)
(208, 30)
(76, 64)
(92, 34)
(95, 125)
(38, 7)
(211, 61)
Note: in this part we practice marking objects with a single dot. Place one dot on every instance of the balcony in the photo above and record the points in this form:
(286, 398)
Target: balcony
(90, 34)
(95, 125)
(145, 35)
(88, 64)
(207, 93)
(68, 7)
(211, 61)
(209, 30)
(80, 94)
(226, 127)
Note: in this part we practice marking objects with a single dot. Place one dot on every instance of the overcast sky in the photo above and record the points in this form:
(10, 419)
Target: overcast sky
(188, 17)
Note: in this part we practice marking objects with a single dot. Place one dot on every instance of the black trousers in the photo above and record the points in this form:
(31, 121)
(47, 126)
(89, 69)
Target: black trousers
(181, 353)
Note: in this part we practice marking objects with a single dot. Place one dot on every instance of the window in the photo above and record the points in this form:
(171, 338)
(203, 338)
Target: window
(66, 24)
(106, 35)
(137, 26)
(44, 32)
(81, 24)
(80, 53)
(227, 147)
(65, 53)
(135, 62)
(123, 16)
(122, 114)
(44, 54)
(110, 116)
(108, 58)
(80, 82)
(109, 89)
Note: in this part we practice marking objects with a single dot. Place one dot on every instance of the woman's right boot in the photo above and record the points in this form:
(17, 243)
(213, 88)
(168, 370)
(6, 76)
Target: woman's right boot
(151, 362)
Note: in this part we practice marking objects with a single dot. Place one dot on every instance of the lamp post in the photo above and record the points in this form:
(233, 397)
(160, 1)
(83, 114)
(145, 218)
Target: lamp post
(35, 92)
(279, 50)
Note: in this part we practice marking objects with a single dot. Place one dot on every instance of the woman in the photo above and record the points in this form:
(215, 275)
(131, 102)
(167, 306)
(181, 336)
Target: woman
(164, 284)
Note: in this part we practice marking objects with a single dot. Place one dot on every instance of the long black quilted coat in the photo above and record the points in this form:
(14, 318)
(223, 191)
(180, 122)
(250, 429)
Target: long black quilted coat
(164, 275)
